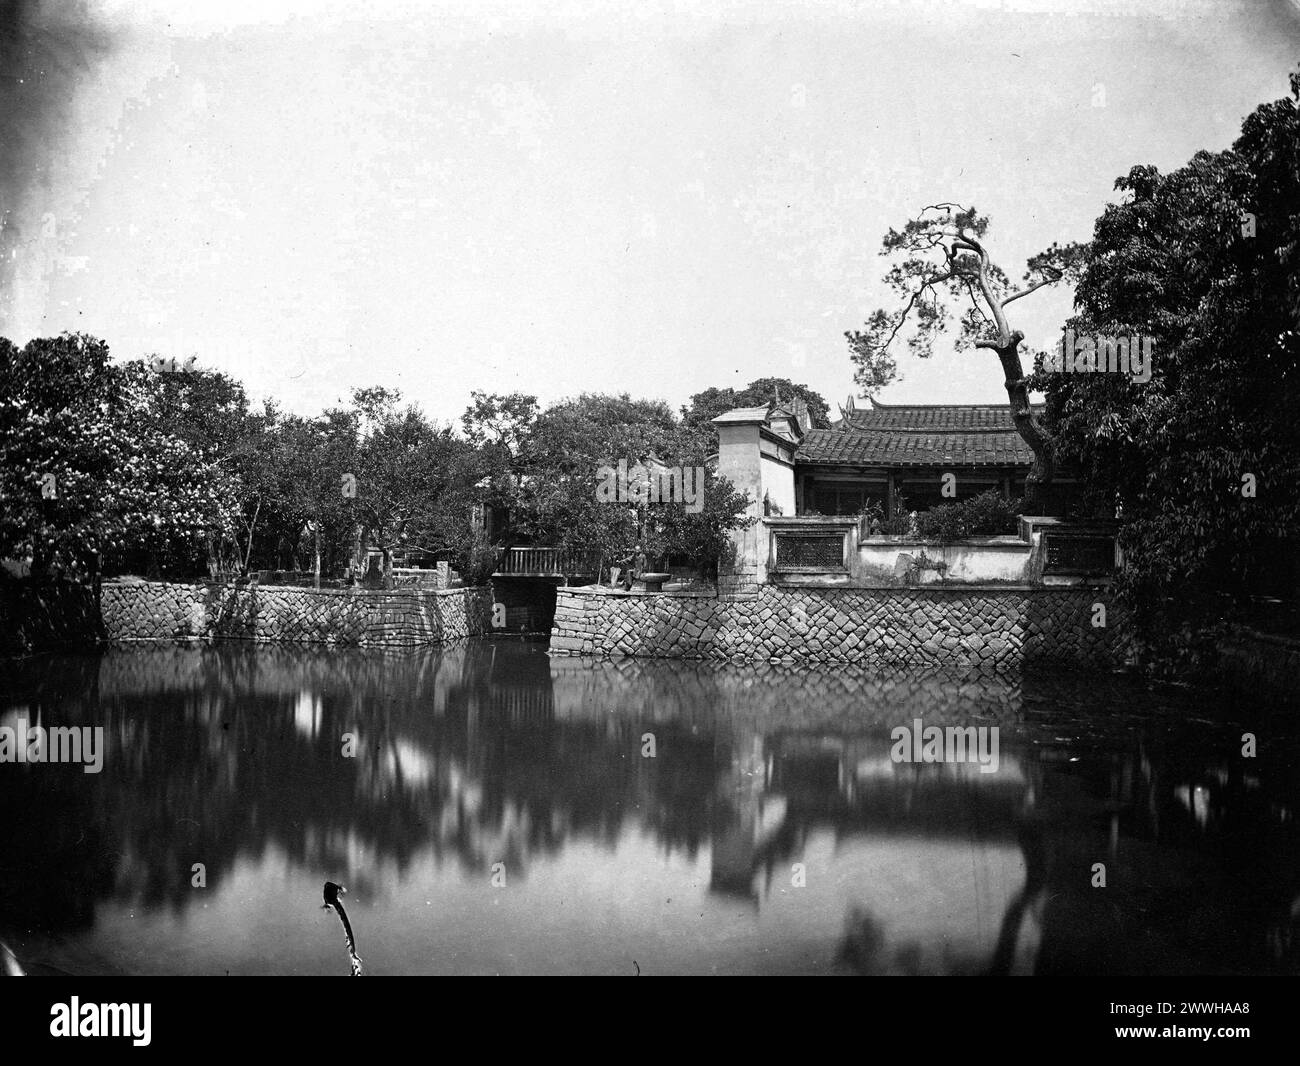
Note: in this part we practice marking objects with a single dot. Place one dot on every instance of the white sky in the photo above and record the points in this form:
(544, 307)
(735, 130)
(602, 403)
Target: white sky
(574, 197)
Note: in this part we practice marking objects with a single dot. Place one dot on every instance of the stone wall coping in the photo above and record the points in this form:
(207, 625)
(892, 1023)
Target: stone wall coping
(952, 589)
(781, 521)
(403, 592)
(947, 586)
(1002, 542)
(623, 594)
(1071, 525)
(1006, 541)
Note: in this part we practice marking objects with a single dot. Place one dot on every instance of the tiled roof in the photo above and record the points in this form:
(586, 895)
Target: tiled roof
(742, 414)
(937, 417)
(921, 435)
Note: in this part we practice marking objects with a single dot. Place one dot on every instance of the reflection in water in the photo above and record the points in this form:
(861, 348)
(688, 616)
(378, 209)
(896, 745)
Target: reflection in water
(493, 811)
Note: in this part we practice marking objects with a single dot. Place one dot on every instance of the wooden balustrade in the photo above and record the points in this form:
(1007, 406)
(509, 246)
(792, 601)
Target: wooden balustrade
(546, 562)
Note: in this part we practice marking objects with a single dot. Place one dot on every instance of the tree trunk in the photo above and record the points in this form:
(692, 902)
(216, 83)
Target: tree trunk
(1043, 468)
(96, 577)
(316, 551)
(248, 554)
(1007, 345)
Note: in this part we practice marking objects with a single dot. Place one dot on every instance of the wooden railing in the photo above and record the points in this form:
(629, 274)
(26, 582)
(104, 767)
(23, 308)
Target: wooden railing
(546, 562)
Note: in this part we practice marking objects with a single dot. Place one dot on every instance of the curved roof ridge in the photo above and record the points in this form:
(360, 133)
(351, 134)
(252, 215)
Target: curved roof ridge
(939, 406)
(852, 428)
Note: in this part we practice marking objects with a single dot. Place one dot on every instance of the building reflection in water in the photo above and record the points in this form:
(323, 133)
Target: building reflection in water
(771, 809)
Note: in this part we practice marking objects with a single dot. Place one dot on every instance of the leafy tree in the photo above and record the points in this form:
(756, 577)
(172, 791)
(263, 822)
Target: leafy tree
(86, 470)
(411, 476)
(940, 263)
(493, 419)
(312, 456)
(575, 435)
(707, 405)
(556, 499)
(1202, 260)
(702, 536)
(469, 478)
(211, 412)
(497, 426)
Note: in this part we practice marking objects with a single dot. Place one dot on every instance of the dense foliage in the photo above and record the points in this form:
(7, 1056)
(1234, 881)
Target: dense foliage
(88, 468)
(567, 454)
(140, 467)
(1202, 462)
(987, 514)
(710, 403)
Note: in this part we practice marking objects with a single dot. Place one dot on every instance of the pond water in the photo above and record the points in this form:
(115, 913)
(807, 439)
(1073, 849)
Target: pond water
(508, 812)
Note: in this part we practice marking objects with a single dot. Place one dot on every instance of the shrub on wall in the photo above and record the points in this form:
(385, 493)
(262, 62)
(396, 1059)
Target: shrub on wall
(987, 514)
(480, 562)
(900, 524)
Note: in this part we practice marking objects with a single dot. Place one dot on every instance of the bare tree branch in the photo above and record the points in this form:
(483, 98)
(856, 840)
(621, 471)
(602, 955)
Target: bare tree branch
(975, 303)
(929, 284)
(941, 207)
(1059, 274)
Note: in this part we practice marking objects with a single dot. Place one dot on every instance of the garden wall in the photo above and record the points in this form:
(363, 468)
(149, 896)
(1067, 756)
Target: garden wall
(817, 551)
(154, 610)
(980, 628)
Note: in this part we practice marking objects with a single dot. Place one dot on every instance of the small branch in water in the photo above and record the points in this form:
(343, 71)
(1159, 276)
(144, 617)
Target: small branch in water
(332, 893)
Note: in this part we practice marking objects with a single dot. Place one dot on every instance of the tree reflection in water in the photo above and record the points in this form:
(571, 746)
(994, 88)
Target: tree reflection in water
(492, 752)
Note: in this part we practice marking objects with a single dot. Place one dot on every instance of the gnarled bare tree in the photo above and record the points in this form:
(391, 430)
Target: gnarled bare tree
(943, 262)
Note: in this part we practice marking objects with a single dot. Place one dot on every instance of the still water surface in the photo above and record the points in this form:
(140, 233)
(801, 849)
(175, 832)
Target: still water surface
(501, 815)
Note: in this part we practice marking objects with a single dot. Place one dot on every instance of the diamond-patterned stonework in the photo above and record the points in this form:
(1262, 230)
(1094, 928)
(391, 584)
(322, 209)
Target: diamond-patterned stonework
(154, 610)
(980, 628)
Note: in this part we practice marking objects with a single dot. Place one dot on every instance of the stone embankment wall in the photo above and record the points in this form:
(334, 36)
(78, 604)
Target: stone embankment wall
(981, 628)
(154, 610)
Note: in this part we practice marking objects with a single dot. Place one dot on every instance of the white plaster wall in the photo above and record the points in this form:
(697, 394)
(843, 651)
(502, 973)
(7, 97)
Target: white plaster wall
(739, 460)
(778, 483)
(1006, 559)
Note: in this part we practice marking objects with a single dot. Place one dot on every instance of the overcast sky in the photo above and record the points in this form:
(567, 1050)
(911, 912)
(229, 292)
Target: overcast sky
(569, 197)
